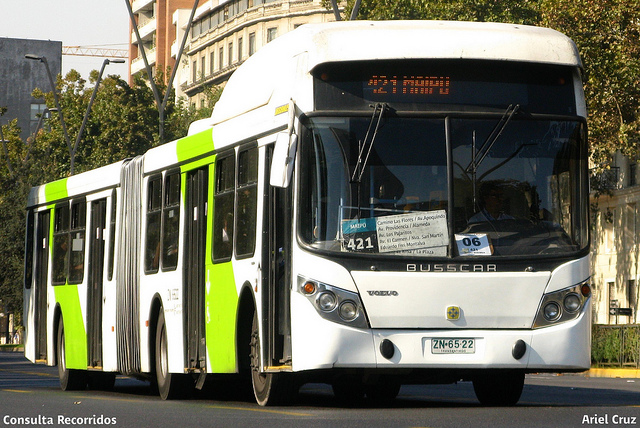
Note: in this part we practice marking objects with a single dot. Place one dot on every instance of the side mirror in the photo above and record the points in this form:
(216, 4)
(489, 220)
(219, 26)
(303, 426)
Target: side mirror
(284, 155)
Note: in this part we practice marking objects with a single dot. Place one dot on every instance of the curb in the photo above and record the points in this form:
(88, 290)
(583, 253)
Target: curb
(613, 373)
(19, 348)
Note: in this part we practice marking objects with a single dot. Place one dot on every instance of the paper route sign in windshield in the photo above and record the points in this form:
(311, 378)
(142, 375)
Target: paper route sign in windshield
(422, 233)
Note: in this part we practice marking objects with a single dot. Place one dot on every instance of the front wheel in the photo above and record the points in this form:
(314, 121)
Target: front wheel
(70, 379)
(499, 388)
(269, 389)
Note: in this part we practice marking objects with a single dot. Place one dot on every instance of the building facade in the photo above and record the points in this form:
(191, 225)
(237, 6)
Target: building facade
(223, 34)
(615, 245)
(20, 76)
(157, 31)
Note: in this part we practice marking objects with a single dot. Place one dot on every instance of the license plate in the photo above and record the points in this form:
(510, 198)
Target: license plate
(453, 346)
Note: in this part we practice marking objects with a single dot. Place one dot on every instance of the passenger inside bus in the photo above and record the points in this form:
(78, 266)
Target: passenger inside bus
(492, 204)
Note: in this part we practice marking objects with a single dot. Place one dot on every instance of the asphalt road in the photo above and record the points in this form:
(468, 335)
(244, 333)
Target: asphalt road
(30, 396)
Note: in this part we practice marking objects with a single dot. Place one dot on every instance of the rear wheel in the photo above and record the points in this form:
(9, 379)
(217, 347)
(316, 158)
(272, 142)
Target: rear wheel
(269, 389)
(499, 388)
(170, 385)
(70, 379)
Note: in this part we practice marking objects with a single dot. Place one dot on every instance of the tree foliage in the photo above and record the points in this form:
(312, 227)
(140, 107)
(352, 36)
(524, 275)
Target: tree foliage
(607, 33)
(123, 123)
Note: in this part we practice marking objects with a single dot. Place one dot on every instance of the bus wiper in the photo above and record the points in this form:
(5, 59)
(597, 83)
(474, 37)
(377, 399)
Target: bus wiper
(478, 157)
(378, 110)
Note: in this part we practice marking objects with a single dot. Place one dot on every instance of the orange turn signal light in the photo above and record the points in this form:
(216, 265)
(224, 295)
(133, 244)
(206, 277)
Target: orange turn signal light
(309, 287)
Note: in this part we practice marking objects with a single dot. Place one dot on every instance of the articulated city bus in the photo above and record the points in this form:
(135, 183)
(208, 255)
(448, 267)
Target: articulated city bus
(371, 204)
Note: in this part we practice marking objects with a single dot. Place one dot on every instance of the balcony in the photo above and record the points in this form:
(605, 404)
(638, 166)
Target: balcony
(609, 179)
(138, 63)
(146, 30)
(142, 5)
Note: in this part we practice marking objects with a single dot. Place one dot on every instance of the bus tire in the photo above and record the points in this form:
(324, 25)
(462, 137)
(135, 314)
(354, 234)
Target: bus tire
(170, 385)
(383, 392)
(269, 389)
(497, 388)
(70, 379)
(348, 390)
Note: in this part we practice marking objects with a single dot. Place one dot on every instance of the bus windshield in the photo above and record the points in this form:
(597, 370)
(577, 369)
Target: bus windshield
(443, 186)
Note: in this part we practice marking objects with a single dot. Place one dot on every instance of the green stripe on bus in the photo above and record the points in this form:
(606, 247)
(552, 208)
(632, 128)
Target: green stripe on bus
(75, 336)
(194, 146)
(220, 317)
(56, 190)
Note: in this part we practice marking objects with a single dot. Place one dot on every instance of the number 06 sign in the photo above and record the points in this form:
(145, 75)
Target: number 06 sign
(476, 244)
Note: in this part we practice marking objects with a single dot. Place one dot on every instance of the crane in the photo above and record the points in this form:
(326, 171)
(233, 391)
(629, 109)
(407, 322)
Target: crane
(95, 51)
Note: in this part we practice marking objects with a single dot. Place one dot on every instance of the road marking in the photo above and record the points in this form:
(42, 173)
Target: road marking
(17, 390)
(29, 373)
(278, 412)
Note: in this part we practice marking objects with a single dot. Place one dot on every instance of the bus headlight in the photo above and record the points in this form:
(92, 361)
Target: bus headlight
(551, 311)
(348, 310)
(563, 305)
(333, 303)
(572, 303)
(326, 301)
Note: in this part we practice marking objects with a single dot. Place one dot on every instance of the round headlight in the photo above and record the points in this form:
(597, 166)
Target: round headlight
(348, 311)
(572, 302)
(327, 301)
(551, 311)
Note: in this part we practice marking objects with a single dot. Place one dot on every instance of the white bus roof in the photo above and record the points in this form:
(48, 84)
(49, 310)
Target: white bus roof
(88, 182)
(253, 84)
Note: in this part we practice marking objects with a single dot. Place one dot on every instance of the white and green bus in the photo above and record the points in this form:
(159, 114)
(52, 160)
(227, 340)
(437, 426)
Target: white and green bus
(371, 204)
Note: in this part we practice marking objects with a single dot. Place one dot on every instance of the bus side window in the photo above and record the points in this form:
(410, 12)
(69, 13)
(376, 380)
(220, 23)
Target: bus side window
(154, 210)
(171, 221)
(223, 208)
(247, 202)
(77, 239)
(60, 256)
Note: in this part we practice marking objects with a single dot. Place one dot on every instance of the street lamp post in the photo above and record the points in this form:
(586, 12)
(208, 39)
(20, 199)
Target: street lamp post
(57, 100)
(93, 96)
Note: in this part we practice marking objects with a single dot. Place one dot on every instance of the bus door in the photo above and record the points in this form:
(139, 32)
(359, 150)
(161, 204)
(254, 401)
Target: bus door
(194, 271)
(277, 256)
(42, 269)
(94, 291)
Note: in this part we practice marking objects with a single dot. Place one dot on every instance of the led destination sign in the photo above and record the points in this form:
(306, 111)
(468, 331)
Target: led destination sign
(440, 85)
(408, 85)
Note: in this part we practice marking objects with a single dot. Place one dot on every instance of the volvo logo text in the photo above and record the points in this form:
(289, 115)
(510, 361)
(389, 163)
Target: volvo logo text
(382, 293)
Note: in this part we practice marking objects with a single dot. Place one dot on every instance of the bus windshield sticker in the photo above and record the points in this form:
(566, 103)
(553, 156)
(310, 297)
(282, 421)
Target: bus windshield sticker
(473, 244)
(420, 233)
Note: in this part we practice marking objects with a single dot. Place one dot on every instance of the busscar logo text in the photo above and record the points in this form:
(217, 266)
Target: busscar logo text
(451, 267)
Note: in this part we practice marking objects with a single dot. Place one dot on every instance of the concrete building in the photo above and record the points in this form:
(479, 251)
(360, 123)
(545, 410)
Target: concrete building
(20, 76)
(615, 245)
(158, 33)
(224, 33)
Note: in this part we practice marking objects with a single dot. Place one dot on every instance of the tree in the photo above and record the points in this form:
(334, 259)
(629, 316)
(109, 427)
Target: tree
(608, 38)
(123, 123)
(513, 11)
